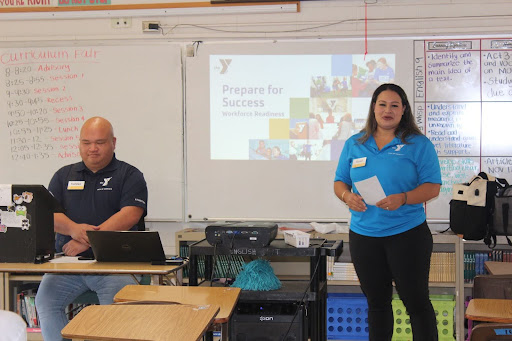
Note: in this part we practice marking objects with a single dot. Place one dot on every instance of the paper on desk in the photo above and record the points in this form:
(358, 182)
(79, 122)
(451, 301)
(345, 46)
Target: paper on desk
(371, 190)
(69, 259)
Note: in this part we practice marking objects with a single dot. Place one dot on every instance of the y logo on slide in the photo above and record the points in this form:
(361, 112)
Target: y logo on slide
(225, 63)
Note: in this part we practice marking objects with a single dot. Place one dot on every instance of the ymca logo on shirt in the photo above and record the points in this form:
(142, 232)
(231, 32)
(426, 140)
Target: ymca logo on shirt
(397, 149)
(104, 183)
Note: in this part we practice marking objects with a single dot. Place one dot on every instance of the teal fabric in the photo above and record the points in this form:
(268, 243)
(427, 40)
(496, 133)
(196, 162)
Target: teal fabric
(257, 275)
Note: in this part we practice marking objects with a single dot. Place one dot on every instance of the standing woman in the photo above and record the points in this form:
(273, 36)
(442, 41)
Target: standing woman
(391, 241)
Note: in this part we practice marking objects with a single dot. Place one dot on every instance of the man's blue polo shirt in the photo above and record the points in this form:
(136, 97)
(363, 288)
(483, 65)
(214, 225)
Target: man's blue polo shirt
(400, 168)
(104, 193)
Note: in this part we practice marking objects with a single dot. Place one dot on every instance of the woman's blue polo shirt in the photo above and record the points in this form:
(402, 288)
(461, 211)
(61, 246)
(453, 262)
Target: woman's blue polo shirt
(400, 167)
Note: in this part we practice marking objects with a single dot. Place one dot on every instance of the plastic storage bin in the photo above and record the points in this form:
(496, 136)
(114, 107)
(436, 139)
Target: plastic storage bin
(444, 306)
(296, 238)
(347, 317)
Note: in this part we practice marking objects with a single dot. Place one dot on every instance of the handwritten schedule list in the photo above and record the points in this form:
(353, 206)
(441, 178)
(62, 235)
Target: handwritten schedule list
(48, 90)
(43, 114)
(463, 103)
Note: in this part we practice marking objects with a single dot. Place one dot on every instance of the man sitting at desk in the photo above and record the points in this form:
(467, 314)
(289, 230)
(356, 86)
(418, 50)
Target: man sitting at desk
(99, 193)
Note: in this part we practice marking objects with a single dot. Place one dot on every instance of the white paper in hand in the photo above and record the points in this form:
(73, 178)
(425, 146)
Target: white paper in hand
(371, 190)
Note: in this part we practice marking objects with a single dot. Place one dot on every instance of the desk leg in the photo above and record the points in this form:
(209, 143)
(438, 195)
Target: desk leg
(208, 336)
(7, 291)
(156, 280)
(179, 277)
(224, 331)
(2, 292)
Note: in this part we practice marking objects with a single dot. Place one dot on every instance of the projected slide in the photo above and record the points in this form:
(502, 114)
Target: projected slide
(290, 107)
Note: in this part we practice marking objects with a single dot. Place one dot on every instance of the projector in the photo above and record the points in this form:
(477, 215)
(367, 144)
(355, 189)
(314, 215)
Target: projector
(239, 235)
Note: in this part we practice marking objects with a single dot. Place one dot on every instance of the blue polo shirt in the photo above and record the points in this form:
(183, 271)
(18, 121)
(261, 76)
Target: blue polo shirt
(104, 193)
(400, 168)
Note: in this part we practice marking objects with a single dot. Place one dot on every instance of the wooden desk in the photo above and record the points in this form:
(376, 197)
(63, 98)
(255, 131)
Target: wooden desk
(156, 271)
(499, 268)
(141, 322)
(118, 268)
(225, 298)
(490, 310)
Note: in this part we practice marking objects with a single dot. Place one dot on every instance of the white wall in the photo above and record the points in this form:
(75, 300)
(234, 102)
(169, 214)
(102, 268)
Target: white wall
(316, 19)
(334, 19)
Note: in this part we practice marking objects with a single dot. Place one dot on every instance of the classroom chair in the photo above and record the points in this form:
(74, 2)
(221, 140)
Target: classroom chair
(491, 287)
(492, 332)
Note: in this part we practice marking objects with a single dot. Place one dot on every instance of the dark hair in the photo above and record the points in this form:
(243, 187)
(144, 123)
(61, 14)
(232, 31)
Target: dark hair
(407, 125)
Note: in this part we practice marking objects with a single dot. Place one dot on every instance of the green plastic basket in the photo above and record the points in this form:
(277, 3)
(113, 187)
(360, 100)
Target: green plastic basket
(444, 306)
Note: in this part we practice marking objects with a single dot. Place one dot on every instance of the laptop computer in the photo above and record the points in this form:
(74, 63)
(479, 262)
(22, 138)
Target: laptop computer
(127, 246)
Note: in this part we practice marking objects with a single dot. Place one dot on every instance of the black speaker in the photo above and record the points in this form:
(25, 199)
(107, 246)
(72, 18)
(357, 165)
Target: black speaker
(268, 321)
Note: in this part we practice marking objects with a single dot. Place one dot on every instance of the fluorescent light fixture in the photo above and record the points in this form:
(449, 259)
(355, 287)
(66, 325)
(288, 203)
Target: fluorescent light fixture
(160, 12)
(449, 45)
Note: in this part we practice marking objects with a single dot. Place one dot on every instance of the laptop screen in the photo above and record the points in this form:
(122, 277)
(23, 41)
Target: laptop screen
(126, 246)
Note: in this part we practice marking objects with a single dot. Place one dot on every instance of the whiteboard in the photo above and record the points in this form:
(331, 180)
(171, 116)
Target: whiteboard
(227, 186)
(48, 91)
(463, 97)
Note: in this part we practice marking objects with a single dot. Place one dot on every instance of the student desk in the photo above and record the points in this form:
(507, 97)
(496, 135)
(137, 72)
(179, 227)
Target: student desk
(141, 322)
(499, 268)
(225, 298)
(490, 310)
(87, 267)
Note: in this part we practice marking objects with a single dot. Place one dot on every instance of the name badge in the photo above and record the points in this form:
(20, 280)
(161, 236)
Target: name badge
(361, 162)
(76, 185)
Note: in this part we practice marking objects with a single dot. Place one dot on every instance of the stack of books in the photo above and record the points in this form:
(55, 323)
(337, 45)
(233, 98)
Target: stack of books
(442, 267)
(338, 271)
(474, 262)
(26, 307)
(226, 266)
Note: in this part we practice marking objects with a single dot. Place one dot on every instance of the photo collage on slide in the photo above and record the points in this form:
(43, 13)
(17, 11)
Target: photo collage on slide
(318, 107)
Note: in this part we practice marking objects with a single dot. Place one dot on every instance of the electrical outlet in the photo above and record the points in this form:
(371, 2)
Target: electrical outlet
(150, 26)
(121, 22)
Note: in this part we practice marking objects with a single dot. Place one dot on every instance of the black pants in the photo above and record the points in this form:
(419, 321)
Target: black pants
(404, 258)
